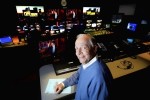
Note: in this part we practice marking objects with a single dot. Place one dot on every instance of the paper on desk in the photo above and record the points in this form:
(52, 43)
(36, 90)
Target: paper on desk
(50, 88)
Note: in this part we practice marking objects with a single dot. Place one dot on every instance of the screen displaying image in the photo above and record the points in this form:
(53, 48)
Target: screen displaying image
(30, 11)
(93, 25)
(91, 12)
(52, 48)
(6, 39)
(72, 14)
(144, 22)
(57, 28)
(107, 26)
(116, 19)
(130, 40)
(61, 28)
(131, 26)
(55, 14)
(69, 25)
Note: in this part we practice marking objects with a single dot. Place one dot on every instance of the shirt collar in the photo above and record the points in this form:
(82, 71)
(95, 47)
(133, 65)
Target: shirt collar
(90, 62)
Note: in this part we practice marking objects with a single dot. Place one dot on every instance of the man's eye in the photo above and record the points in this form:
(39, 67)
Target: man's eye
(85, 48)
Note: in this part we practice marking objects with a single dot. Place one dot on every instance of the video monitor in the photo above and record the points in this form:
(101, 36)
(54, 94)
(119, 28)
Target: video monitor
(117, 18)
(57, 28)
(30, 11)
(52, 48)
(73, 14)
(89, 21)
(143, 27)
(107, 26)
(130, 40)
(99, 23)
(93, 25)
(5, 40)
(88, 25)
(144, 22)
(19, 28)
(91, 12)
(69, 25)
(132, 26)
(38, 27)
(61, 28)
(54, 30)
(25, 28)
(55, 14)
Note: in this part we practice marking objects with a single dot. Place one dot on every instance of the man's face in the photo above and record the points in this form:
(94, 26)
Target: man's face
(83, 50)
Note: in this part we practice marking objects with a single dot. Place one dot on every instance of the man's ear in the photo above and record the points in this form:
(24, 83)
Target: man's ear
(95, 48)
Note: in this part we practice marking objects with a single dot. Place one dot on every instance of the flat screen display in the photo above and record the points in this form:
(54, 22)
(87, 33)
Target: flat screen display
(55, 14)
(117, 18)
(52, 48)
(5, 40)
(73, 14)
(144, 22)
(30, 11)
(131, 26)
(91, 12)
(130, 40)
(57, 28)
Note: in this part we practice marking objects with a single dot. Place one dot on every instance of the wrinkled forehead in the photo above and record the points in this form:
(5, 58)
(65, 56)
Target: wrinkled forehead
(81, 41)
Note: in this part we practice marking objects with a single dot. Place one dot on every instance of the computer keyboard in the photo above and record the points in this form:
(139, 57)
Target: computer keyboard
(65, 67)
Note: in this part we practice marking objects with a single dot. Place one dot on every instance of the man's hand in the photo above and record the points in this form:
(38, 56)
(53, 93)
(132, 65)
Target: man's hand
(59, 88)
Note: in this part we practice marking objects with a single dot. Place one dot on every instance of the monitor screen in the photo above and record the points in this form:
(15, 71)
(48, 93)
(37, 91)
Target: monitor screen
(55, 14)
(143, 27)
(69, 25)
(144, 22)
(91, 12)
(58, 28)
(107, 26)
(61, 28)
(30, 11)
(5, 40)
(130, 40)
(132, 26)
(116, 18)
(73, 14)
(93, 25)
(52, 48)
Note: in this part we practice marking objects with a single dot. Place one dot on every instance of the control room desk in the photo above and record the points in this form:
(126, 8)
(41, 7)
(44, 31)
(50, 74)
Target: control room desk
(117, 69)
(47, 72)
(138, 62)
